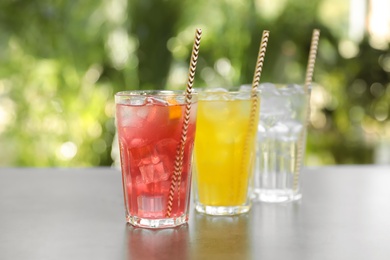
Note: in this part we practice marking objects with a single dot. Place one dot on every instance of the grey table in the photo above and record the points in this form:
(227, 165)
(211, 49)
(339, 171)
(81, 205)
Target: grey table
(78, 214)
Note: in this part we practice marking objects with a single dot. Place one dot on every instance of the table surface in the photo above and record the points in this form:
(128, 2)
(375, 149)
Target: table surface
(73, 214)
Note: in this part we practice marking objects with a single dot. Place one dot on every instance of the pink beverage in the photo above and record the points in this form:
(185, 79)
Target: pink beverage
(150, 127)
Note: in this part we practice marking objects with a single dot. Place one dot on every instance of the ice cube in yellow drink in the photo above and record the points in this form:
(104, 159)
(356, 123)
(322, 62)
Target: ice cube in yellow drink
(224, 151)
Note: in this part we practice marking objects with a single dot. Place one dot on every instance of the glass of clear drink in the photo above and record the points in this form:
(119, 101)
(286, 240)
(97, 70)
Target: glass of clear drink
(281, 142)
(156, 182)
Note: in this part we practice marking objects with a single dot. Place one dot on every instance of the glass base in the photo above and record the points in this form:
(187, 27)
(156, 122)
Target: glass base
(157, 223)
(222, 210)
(276, 195)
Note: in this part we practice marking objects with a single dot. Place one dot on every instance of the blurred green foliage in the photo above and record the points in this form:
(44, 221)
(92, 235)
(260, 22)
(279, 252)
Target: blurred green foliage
(62, 61)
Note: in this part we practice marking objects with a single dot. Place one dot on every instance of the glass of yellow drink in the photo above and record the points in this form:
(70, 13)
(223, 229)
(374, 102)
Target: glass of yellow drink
(225, 151)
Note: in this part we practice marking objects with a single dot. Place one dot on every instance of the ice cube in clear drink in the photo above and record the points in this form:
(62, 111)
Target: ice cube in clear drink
(268, 88)
(246, 87)
(279, 130)
(261, 130)
(271, 100)
(295, 89)
(294, 129)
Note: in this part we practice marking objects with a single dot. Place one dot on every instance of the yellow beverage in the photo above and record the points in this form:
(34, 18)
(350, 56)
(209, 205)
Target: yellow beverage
(224, 150)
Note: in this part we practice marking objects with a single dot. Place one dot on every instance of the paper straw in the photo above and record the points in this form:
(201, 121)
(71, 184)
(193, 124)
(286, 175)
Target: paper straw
(260, 60)
(308, 80)
(312, 58)
(176, 178)
(254, 95)
(256, 78)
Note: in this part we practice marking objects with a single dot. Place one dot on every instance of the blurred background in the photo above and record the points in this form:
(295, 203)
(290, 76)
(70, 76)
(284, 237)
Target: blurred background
(62, 61)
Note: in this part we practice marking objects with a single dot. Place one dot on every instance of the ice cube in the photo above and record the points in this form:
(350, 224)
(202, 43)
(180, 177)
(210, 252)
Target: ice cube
(166, 150)
(133, 101)
(151, 204)
(279, 130)
(215, 110)
(268, 88)
(139, 150)
(219, 89)
(128, 117)
(142, 112)
(261, 127)
(152, 161)
(156, 101)
(295, 128)
(267, 121)
(271, 100)
(272, 105)
(158, 112)
(137, 101)
(244, 95)
(246, 87)
(291, 130)
(166, 146)
(262, 131)
(152, 171)
(181, 99)
(295, 89)
(215, 94)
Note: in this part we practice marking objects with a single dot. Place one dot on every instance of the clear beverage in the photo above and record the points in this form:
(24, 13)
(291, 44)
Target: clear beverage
(281, 142)
(149, 130)
(224, 153)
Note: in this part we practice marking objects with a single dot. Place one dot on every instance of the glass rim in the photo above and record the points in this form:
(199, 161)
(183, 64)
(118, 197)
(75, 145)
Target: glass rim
(248, 94)
(157, 92)
(283, 85)
(231, 91)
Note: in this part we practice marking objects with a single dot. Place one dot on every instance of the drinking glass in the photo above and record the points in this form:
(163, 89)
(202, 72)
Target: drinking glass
(155, 155)
(225, 151)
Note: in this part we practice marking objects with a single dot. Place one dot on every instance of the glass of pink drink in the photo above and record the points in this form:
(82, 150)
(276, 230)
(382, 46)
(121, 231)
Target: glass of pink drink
(150, 128)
